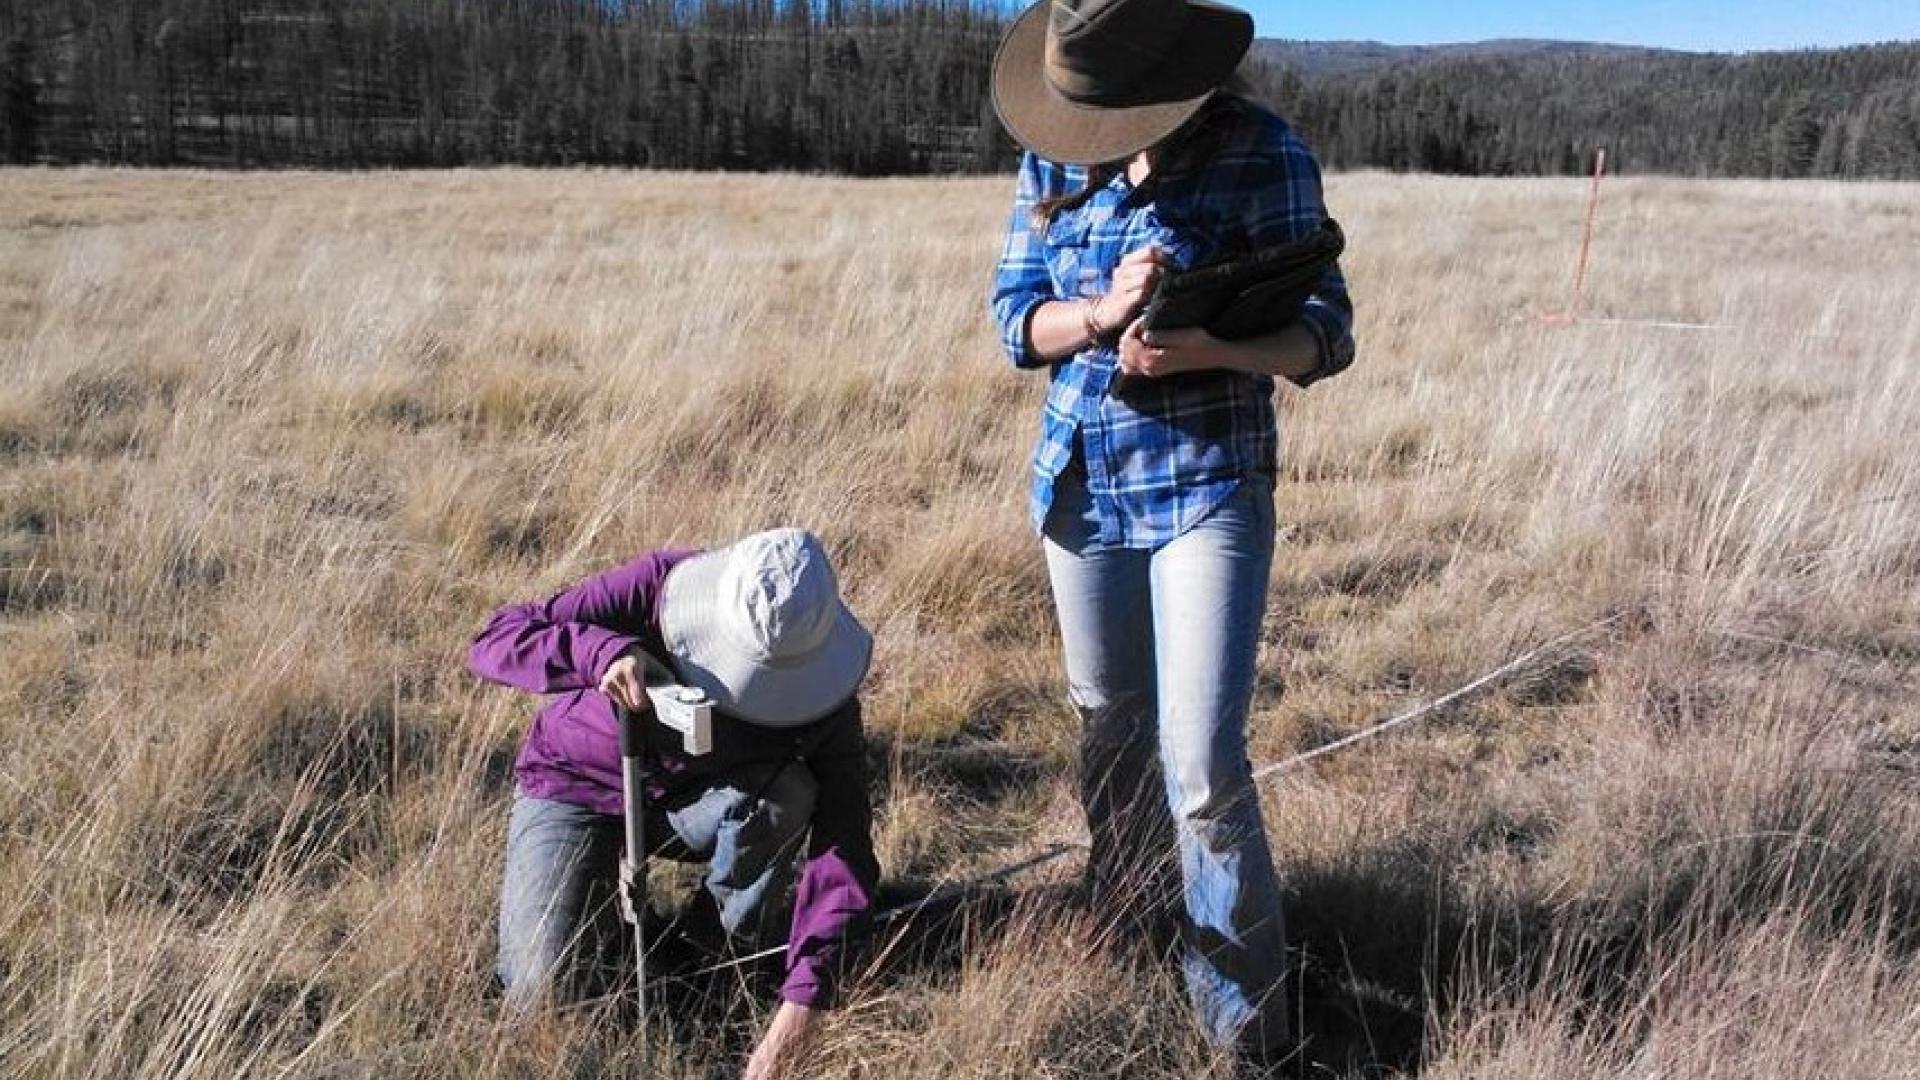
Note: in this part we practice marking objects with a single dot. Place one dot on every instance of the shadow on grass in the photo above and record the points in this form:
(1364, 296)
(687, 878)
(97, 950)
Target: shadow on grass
(1371, 947)
(1384, 940)
(1379, 941)
(1367, 951)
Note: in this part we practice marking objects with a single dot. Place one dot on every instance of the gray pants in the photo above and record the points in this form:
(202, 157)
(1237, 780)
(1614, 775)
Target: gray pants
(559, 918)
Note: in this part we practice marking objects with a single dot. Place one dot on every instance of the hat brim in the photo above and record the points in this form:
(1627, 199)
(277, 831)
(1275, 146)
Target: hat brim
(1051, 125)
(786, 694)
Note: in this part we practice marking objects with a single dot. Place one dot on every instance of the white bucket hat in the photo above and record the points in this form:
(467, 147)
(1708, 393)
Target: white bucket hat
(759, 625)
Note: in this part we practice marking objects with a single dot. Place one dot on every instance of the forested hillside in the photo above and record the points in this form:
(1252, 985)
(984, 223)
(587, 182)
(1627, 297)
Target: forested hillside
(1849, 113)
(858, 86)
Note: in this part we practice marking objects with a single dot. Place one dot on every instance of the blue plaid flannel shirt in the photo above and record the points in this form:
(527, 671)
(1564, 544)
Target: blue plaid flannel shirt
(1161, 457)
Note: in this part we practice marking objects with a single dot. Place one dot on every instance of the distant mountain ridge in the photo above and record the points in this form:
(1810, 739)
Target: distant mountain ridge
(1333, 59)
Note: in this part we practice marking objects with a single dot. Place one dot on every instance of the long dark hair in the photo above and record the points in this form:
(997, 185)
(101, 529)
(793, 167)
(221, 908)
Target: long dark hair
(1190, 146)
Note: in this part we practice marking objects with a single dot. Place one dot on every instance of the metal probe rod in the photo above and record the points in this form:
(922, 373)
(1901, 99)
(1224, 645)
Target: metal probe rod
(633, 864)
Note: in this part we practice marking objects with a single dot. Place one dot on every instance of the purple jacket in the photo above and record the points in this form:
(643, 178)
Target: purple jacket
(563, 645)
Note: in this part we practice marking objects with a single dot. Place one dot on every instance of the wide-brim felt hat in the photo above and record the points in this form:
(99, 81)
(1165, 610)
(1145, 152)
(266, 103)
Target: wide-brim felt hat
(1082, 82)
(759, 625)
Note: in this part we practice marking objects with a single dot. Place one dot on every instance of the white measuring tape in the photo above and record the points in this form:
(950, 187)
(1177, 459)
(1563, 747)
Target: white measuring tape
(907, 911)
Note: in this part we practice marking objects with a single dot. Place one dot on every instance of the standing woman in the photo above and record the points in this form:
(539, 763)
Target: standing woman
(1154, 494)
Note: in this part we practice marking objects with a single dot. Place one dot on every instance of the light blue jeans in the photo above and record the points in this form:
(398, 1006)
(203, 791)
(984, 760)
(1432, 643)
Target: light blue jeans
(1160, 650)
(559, 916)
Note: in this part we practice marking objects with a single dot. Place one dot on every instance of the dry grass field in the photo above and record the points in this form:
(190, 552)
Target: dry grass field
(271, 446)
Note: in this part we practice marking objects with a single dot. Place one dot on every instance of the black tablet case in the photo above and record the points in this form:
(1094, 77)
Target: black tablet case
(1242, 297)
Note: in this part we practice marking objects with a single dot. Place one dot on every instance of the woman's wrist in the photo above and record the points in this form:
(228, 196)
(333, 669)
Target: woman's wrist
(787, 1039)
(1059, 328)
(1090, 322)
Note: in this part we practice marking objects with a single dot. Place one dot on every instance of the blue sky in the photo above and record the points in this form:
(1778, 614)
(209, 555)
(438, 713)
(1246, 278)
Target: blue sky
(1724, 25)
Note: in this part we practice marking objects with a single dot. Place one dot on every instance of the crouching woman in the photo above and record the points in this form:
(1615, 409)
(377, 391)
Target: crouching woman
(760, 627)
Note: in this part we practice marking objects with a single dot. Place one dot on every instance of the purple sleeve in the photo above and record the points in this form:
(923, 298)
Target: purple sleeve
(834, 899)
(566, 641)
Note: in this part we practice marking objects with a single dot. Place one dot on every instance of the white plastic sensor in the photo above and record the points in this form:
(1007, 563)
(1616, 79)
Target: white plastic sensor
(687, 710)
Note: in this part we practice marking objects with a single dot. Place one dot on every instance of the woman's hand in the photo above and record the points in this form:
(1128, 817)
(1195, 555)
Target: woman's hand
(1134, 280)
(625, 682)
(1170, 352)
(786, 1040)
